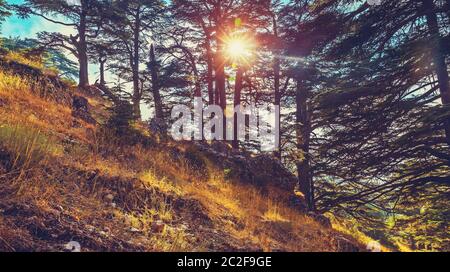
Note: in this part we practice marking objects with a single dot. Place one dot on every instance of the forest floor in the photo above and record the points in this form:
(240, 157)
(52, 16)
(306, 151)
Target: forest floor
(63, 179)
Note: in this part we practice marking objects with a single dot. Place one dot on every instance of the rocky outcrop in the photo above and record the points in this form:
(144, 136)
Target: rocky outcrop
(345, 245)
(261, 170)
(46, 85)
(80, 109)
(321, 219)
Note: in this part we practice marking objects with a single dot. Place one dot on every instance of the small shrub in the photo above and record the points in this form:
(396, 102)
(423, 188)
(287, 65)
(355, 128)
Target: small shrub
(123, 127)
(121, 118)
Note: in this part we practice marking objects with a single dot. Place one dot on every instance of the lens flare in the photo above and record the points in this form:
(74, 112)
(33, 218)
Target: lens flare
(239, 49)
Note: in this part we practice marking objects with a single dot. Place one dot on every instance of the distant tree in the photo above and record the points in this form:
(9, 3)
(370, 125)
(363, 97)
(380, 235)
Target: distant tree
(80, 16)
(131, 31)
(51, 57)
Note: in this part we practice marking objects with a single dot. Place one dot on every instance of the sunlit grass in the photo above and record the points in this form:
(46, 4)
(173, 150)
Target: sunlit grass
(350, 229)
(11, 83)
(20, 58)
(149, 177)
(273, 213)
(240, 210)
(27, 146)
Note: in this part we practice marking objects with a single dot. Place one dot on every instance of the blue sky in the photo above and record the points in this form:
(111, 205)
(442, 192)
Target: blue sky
(15, 26)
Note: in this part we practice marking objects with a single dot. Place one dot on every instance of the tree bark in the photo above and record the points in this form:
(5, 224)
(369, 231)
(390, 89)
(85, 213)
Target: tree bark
(209, 75)
(102, 62)
(237, 102)
(276, 71)
(135, 65)
(438, 59)
(303, 132)
(156, 85)
(81, 46)
(220, 67)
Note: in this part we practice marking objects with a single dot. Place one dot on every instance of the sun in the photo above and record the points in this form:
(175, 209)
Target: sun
(236, 48)
(239, 49)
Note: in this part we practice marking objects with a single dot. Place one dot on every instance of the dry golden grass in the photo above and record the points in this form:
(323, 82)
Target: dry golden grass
(350, 229)
(249, 216)
(20, 58)
(21, 106)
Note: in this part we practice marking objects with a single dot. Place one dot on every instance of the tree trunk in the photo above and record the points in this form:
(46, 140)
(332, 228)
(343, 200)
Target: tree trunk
(237, 102)
(209, 75)
(102, 62)
(438, 59)
(303, 132)
(220, 97)
(82, 48)
(220, 67)
(276, 71)
(156, 85)
(135, 66)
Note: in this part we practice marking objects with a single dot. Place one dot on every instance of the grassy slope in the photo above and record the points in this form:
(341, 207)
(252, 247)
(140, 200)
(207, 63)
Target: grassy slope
(70, 182)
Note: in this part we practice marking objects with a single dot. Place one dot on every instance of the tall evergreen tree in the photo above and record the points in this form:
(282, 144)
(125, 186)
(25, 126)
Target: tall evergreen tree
(78, 16)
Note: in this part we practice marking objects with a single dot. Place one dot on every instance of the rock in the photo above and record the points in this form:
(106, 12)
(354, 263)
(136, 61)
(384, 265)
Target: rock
(261, 170)
(345, 245)
(158, 226)
(80, 109)
(72, 246)
(221, 147)
(374, 246)
(43, 84)
(90, 228)
(321, 219)
(267, 169)
(134, 230)
(109, 197)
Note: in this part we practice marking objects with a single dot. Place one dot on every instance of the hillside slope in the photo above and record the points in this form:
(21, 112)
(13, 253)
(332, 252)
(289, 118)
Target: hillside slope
(64, 177)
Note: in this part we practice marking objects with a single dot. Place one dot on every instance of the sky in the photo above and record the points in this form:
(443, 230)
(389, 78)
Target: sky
(27, 28)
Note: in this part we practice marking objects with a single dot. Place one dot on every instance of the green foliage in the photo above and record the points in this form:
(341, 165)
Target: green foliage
(383, 151)
(4, 11)
(121, 127)
(52, 58)
(121, 118)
